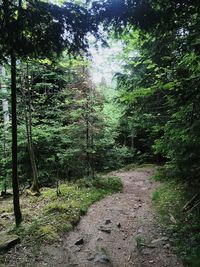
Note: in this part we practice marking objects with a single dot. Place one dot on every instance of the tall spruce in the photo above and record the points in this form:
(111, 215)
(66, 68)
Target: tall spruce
(32, 39)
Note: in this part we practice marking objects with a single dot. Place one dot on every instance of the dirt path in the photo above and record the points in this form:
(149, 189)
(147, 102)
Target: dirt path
(119, 231)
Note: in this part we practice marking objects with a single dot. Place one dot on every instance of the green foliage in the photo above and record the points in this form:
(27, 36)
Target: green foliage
(40, 28)
(5, 154)
(139, 242)
(169, 200)
(159, 89)
(114, 154)
(159, 95)
(65, 109)
(183, 227)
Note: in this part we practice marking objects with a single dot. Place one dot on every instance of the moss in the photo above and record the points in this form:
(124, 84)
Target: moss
(57, 207)
(8, 241)
(48, 232)
(65, 227)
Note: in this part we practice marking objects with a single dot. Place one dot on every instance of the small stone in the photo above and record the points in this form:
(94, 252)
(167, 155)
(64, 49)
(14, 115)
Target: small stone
(166, 246)
(151, 261)
(91, 258)
(80, 241)
(104, 229)
(107, 221)
(119, 225)
(101, 257)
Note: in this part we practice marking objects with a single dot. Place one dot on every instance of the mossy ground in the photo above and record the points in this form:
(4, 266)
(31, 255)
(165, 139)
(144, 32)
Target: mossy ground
(46, 217)
(183, 227)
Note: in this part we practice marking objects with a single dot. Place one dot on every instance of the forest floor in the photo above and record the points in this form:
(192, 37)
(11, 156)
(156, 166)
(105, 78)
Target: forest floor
(120, 231)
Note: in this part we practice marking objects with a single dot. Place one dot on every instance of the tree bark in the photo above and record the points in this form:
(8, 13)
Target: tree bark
(132, 140)
(15, 185)
(35, 185)
(5, 119)
(4, 99)
(87, 144)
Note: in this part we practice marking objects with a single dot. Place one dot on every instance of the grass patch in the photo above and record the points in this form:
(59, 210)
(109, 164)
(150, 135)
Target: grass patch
(46, 217)
(183, 227)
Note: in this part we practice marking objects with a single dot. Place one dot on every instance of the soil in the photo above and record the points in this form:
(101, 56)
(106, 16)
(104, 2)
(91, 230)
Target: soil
(119, 231)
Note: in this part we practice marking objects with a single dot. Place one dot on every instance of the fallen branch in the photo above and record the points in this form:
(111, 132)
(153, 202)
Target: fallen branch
(31, 193)
(196, 204)
(192, 203)
(172, 219)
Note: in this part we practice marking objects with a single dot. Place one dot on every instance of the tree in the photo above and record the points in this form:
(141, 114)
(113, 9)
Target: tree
(6, 121)
(161, 82)
(40, 31)
(26, 84)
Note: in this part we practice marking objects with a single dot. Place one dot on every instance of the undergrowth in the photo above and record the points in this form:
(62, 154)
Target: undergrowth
(46, 217)
(183, 227)
(133, 166)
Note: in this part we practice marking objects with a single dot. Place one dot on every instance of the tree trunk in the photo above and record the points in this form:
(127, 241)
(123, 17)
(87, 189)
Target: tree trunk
(5, 119)
(15, 185)
(4, 100)
(87, 145)
(92, 148)
(132, 141)
(28, 115)
(91, 92)
(34, 186)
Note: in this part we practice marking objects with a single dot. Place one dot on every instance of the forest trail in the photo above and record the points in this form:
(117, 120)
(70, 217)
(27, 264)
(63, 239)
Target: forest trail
(119, 231)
